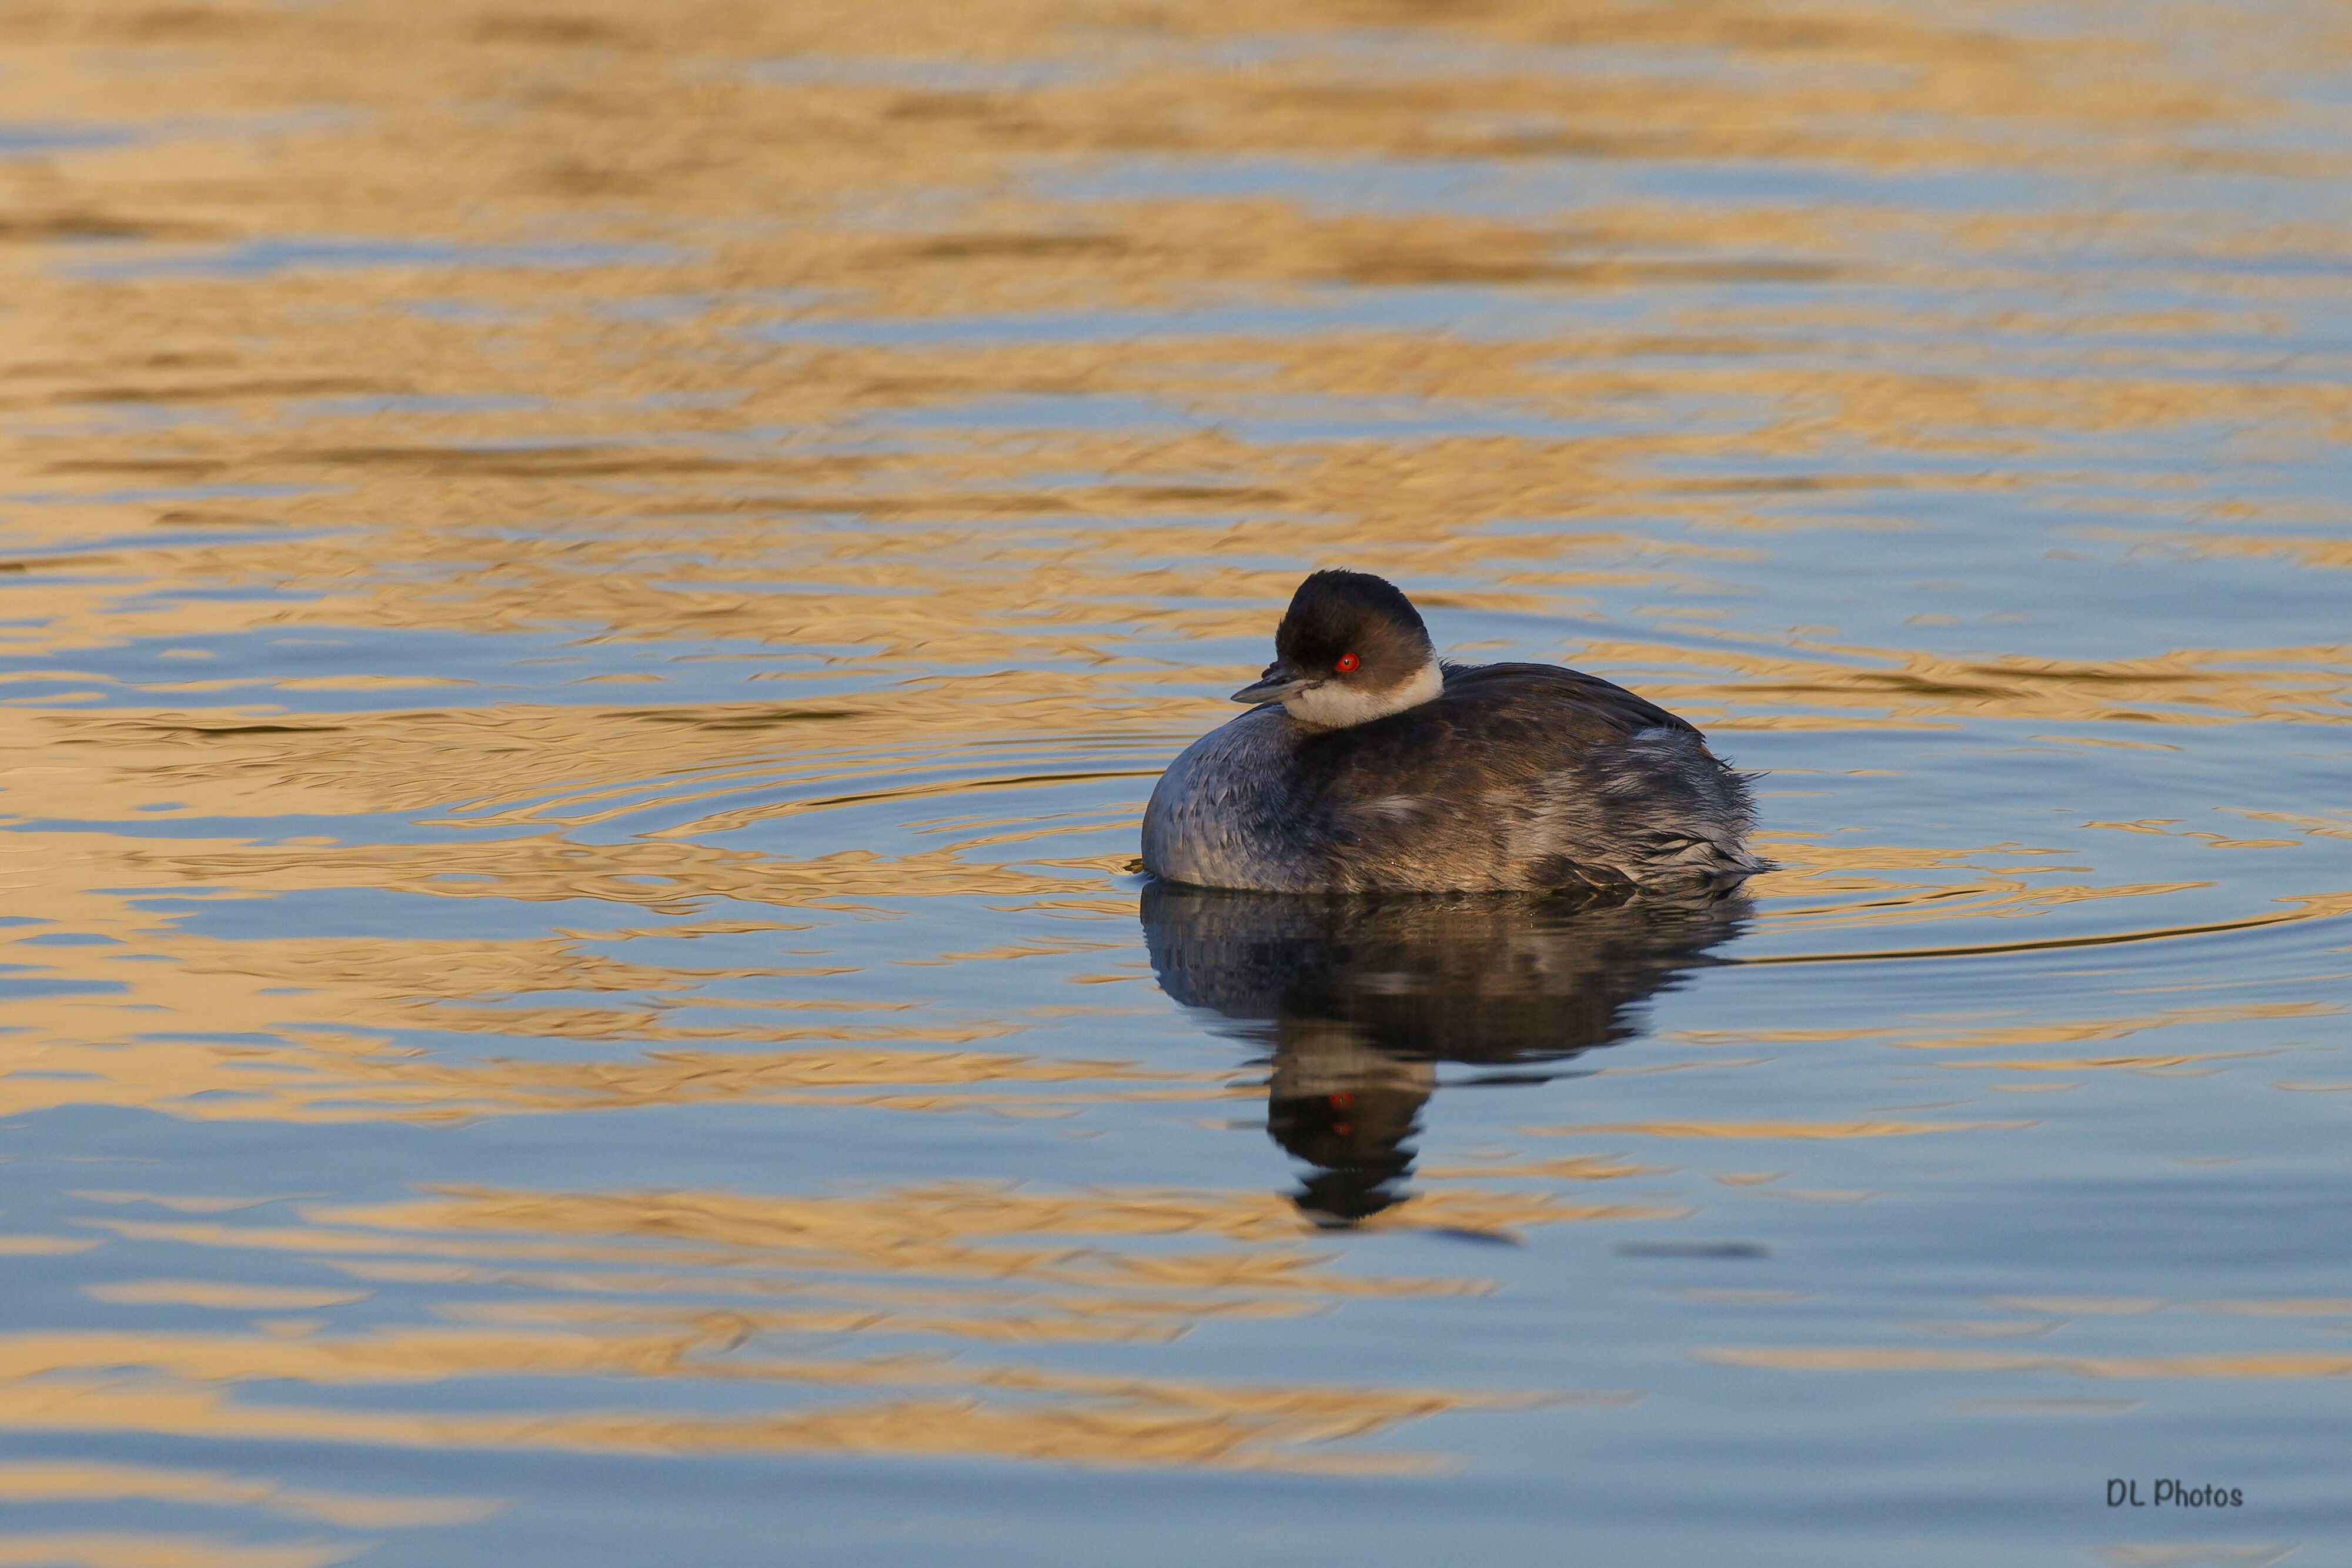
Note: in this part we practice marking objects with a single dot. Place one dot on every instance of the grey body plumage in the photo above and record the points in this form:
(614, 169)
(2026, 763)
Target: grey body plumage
(1518, 776)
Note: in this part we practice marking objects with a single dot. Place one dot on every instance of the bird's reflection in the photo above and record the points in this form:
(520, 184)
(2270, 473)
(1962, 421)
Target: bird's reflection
(1360, 998)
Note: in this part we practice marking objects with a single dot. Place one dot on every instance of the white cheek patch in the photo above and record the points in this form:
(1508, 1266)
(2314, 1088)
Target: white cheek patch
(1334, 705)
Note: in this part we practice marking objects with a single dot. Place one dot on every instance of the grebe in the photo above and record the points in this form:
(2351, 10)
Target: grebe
(1365, 765)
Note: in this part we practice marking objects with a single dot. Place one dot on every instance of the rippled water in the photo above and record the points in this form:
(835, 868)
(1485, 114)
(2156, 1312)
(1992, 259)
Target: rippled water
(591, 595)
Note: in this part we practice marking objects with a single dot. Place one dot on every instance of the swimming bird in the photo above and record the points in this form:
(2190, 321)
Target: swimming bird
(1366, 764)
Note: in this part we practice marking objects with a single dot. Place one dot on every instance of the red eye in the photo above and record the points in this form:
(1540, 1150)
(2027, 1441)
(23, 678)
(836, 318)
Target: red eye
(1347, 663)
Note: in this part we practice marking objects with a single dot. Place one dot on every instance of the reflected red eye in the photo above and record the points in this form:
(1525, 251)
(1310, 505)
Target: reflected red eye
(1347, 663)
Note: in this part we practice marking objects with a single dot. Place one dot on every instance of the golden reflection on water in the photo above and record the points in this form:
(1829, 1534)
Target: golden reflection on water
(94, 1549)
(105, 1482)
(686, 1287)
(404, 373)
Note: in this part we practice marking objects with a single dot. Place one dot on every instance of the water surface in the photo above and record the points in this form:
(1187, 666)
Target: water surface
(590, 598)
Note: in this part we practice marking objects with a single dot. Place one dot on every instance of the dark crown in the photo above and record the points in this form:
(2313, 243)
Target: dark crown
(1338, 612)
